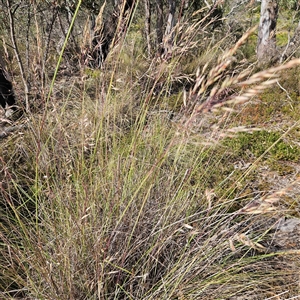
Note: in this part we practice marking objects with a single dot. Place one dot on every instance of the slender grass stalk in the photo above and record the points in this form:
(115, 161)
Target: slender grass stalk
(63, 49)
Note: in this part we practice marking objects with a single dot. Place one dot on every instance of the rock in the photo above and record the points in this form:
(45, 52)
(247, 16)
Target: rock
(287, 235)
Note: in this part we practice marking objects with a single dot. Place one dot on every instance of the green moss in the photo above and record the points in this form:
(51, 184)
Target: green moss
(92, 73)
(281, 168)
(245, 144)
(282, 38)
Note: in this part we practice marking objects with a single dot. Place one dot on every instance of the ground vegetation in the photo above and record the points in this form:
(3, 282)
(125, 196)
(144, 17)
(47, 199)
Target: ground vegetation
(156, 159)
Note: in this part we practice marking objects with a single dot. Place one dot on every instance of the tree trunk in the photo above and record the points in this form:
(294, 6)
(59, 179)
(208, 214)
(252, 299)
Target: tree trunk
(13, 38)
(169, 34)
(105, 35)
(7, 97)
(159, 22)
(266, 44)
(148, 24)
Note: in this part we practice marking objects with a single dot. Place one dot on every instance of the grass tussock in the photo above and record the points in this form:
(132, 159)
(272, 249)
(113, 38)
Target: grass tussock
(112, 192)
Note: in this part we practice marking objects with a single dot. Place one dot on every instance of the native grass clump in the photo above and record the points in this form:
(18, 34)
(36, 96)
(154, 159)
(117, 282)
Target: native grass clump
(154, 179)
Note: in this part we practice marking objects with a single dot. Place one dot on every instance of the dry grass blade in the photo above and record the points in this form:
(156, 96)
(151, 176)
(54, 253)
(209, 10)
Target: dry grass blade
(248, 242)
(99, 19)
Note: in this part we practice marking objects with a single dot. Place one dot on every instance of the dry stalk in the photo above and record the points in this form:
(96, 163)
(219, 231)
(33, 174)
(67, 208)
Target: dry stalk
(17, 53)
